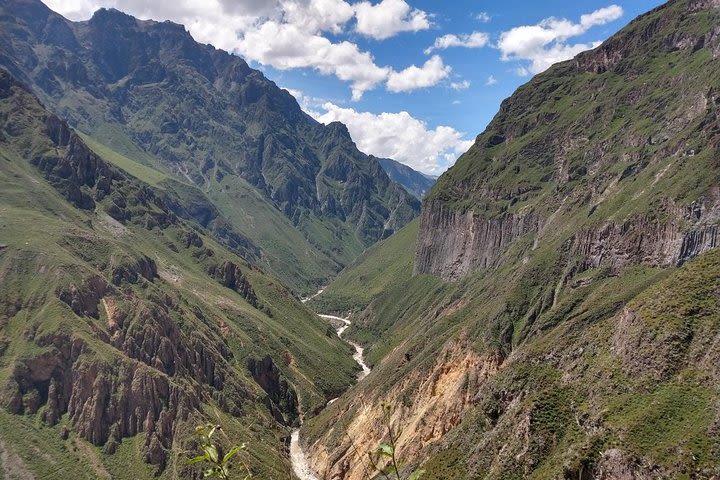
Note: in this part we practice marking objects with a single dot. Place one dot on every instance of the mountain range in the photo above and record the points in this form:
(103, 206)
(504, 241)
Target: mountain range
(550, 310)
(231, 143)
(417, 183)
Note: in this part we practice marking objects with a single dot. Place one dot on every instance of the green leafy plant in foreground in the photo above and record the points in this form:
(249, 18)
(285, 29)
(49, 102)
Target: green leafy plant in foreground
(212, 454)
(386, 453)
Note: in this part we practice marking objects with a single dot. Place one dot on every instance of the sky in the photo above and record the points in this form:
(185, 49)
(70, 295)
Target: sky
(414, 80)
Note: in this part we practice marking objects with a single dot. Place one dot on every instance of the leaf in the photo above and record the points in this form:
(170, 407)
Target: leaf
(416, 475)
(233, 451)
(198, 459)
(212, 453)
(385, 449)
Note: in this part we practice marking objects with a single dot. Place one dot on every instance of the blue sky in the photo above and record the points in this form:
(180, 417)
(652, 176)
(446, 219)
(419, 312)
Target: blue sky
(414, 80)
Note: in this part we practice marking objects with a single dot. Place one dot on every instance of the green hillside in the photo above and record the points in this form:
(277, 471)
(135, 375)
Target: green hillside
(300, 191)
(559, 316)
(114, 309)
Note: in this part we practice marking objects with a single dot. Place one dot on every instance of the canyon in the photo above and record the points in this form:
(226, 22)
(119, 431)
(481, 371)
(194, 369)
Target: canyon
(550, 309)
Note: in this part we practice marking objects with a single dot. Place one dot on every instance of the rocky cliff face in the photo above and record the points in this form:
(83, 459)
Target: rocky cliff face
(142, 393)
(445, 393)
(604, 187)
(453, 244)
(281, 398)
(684, 233)
(231, 276)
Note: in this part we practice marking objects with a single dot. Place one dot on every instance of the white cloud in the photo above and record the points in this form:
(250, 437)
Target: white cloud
(472, 40)
(601, 16)
(491, 80)
(483, 17)
(546, 43)
(295, 93)
(388, 18)
(286, 46)
(413, 77)
(401, 137)
(284, 34)
(318, 15)
(464, 85)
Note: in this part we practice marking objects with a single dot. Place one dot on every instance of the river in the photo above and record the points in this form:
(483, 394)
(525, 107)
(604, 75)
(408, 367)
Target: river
(298, 458)
(358, 356)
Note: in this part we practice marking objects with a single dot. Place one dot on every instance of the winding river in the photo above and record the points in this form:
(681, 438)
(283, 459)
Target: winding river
(358, 356)
(300, 464)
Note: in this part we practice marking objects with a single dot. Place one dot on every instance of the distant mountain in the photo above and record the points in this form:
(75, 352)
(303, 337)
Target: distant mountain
(300, 190)
(414, 182)
(560, 318)
(122, 322)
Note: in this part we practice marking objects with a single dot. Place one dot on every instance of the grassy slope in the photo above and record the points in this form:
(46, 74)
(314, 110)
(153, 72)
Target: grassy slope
(420, 315)
(371, 274)
(287, 253)
(142, 172)
(586, 378)
(286, 250)
(381, 280)
(51, 244)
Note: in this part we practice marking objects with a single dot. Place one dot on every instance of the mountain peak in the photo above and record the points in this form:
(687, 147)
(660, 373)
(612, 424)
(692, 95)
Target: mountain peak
(668, 28)
(112, 16)
(339, 128)
(116, 19)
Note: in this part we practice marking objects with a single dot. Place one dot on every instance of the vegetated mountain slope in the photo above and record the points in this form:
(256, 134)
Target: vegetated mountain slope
(371, 274)
(414, 182)
(148, 91)
(575, 332)
(123, 325)
(618, 144)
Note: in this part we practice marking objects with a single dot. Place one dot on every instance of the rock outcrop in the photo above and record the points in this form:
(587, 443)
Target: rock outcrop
(232, 277)
(680, 234)
(445, 392)
(104, 402)
(454, 243)
(281, 398)
(558, 168)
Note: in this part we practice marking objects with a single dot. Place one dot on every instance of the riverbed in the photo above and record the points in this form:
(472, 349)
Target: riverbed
(298, 458)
